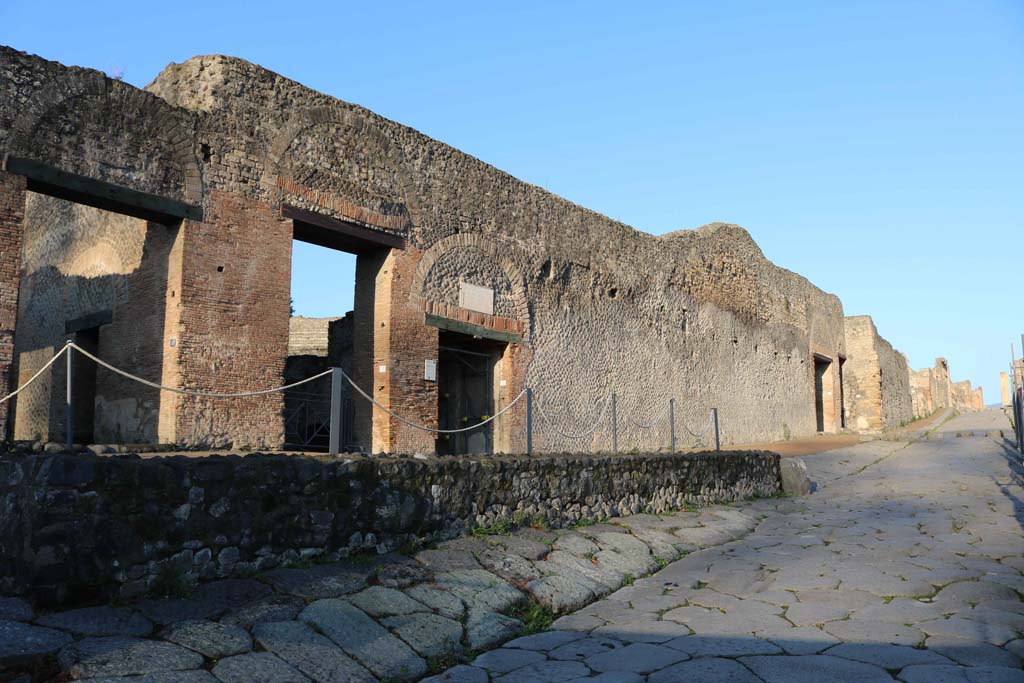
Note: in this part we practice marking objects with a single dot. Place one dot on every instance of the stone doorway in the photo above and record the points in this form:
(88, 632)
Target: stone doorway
(824, 407)
(465, 392)
(83, 386)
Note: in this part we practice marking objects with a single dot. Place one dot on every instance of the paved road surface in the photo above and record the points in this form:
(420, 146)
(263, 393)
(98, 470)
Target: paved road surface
(905, 564)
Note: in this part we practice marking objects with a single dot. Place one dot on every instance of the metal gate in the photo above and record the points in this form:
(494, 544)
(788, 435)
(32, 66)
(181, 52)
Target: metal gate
(307, 421)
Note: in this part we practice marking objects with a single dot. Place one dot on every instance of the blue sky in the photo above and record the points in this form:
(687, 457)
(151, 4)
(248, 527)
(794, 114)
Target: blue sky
(875, 147)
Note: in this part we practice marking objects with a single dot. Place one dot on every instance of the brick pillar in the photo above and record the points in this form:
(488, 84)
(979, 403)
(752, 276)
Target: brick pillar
(369, 277)
(510, 429)
(230, 306)
(12, 216)
(401, 345)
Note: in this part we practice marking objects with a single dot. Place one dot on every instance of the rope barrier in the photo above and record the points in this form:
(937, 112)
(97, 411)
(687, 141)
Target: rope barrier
(650, 425)
(35, 376)
(189, 392)
(207, 394)
(431, 429)
(597, 423)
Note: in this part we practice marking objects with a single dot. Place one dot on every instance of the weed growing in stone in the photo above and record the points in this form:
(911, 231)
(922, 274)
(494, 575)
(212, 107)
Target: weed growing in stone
(500, 527)
(171, 584)
(536, 617)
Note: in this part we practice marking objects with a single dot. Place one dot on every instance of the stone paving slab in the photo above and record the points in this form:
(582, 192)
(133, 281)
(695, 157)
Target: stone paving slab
(122, 656)
(364, 639)
(22, 642)
(209, 638)
(99, 621)
(309, 652)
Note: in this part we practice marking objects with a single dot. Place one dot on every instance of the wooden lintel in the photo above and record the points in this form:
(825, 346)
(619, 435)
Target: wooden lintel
(472, 330)
(89, 321)
(326, 231)
(52, 181)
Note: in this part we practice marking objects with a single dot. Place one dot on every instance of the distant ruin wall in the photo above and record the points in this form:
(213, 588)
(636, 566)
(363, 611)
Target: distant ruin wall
(76, 527)
(308, 336)
(876, 382)
(921, 392)
(967, 399)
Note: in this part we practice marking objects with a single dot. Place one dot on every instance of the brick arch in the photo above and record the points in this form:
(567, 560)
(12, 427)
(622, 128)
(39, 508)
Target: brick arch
(500, 253)
(92, 90)
(337, 114)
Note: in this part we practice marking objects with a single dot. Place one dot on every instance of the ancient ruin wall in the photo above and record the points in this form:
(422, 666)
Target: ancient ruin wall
(897, 407)
(941, 385)
(700, 315)
(876, 380)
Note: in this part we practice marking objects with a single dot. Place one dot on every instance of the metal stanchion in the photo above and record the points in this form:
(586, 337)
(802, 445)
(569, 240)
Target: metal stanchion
(615, 428)
(69, 427)
(529, 421)
(714, 417)
(672, 424)
(334, 445)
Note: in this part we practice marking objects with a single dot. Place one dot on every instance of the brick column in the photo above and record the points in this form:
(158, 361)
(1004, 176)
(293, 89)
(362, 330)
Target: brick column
(12, 216)
(228, 315)
(402, 343)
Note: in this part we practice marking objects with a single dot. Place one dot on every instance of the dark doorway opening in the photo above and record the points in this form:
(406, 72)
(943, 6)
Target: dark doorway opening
(465, 392)
(821, 368)
(842, 395)
(83, 386)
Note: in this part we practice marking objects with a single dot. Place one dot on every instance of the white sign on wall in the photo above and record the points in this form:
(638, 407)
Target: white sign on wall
(430, 370)
(476, 298)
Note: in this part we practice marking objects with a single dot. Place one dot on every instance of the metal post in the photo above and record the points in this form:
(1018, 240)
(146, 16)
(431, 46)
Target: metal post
(68, 426)
(672, 424)
(529, 421)
(615, 428)
(1018, 429)
(335, 438)
(714, 416)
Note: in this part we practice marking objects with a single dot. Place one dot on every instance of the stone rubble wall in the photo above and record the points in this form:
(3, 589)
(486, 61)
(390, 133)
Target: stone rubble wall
(74, 527)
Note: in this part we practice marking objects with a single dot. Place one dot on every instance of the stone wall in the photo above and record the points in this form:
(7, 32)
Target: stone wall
(965, 398)
(308, 336)
(1004, 389)
(876, 382)
(932, 390)
(700, 316)
(75, 527)
(102, 273)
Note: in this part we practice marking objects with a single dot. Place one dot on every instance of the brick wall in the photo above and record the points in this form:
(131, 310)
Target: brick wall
(233, 326)
(12, 213)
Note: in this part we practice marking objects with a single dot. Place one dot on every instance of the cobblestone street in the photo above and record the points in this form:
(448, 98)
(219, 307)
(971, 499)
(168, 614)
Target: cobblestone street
(905, 563)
